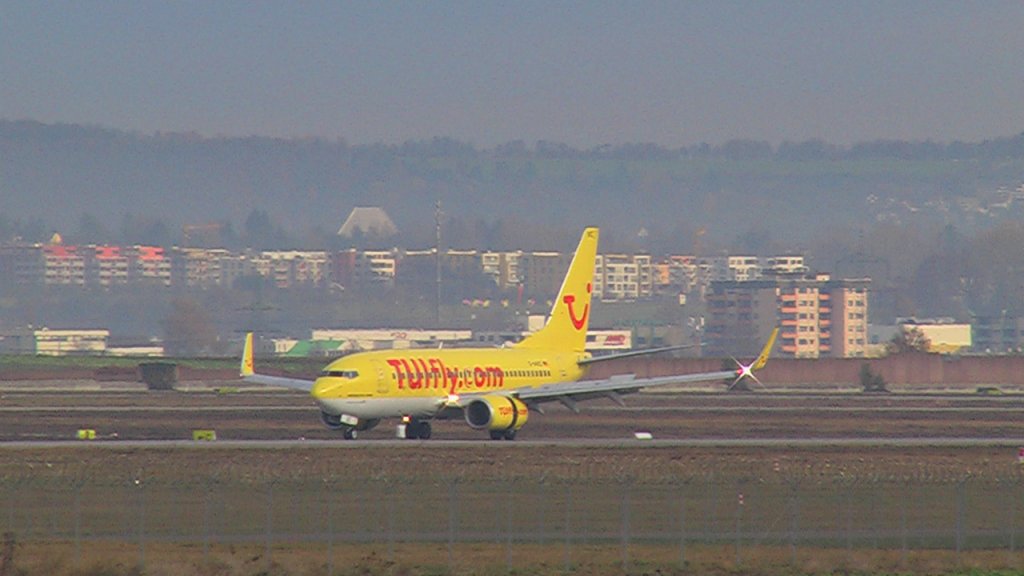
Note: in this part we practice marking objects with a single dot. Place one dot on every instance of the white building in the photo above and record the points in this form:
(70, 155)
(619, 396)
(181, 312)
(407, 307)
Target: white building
(621, 277)
(64, 342)
(291, 267)
(744, 268)
(502, 267)
(376, 266)
(786, 264)
(358, 339)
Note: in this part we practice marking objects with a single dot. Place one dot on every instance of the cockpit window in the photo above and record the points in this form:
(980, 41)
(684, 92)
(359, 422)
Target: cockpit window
(340, 373)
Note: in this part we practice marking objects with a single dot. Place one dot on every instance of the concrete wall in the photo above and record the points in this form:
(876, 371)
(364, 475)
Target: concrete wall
(902, 371)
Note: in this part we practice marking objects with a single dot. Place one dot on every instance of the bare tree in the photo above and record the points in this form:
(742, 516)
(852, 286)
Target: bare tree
(909, 339)
(189, 329)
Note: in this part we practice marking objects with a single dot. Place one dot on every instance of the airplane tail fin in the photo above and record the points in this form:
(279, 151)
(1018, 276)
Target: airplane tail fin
(762, 359)
(246, 368)
(567, 326)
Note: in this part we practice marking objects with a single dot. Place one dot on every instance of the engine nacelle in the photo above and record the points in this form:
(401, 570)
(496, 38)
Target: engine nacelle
(496, 412)
(332, 421)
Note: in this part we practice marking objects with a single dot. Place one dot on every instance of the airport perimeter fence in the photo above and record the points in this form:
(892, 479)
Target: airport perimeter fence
(520, 520)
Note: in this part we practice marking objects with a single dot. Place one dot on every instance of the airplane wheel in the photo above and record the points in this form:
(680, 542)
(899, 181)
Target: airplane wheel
(497, 434)
(417, 429)
(351, 434)
(510, 434)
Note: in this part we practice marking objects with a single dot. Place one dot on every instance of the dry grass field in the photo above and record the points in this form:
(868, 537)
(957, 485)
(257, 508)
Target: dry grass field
(510, 507)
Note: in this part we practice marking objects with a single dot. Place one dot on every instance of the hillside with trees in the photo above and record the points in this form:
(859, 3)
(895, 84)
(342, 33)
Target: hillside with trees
(99, 185)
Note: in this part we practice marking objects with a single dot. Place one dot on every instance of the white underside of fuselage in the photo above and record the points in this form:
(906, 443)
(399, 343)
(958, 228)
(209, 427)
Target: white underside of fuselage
(372, 408)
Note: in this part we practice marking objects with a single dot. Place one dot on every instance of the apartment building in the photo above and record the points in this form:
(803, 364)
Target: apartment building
(849, 300)
(234, 266)
(816, 316)
(375, 267)
(148, 265)
(502, 267)
(675, 274)
(998, 334)
(63, 265)
(740, 316)
(197, 267)
(785, 265)
(821, 317)
(343, 267)
(804, 313)
(622, 277)
(22, 264)
(416, 268)
(461, 263)
(542, 273)
(743, 268)
(713, 269)
(289, 268)
(106, 266)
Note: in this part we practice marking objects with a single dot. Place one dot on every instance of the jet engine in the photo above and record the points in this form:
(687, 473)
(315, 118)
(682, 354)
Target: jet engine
(332, 421)
(496, 413)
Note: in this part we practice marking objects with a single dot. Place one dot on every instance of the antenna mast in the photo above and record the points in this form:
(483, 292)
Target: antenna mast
(437, 259)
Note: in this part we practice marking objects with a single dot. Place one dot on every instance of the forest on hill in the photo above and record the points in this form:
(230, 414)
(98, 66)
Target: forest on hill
(99, 185)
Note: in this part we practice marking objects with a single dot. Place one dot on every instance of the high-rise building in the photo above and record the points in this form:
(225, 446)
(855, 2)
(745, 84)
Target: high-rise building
(740, 316)
(849, 303)
(816, 316)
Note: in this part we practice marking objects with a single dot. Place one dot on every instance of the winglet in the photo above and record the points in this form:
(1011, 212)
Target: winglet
(766, 351)
(246, 368)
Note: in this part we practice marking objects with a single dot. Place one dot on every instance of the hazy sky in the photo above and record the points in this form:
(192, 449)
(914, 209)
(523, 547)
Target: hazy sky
(584, 73)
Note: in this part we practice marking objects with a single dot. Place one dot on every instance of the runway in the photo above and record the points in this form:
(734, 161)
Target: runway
(768, 420)
(633, 444)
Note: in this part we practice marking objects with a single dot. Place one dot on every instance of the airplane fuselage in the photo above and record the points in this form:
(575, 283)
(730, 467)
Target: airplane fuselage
(389, 383)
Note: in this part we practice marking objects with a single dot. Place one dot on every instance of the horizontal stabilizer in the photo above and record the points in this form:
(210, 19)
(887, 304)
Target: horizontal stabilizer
(248, 373)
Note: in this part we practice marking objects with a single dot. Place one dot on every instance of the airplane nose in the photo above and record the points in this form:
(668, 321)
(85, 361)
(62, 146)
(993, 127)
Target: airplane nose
(322, 387)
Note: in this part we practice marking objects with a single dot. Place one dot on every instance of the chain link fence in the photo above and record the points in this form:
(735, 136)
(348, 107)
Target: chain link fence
(509, 521)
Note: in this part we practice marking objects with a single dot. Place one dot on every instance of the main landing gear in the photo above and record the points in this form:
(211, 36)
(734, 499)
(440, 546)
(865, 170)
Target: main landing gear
(503, 434)
(414, 429)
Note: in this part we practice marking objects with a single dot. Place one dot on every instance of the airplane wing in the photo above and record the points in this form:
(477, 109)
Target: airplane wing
(632, 353)
(248, 374)
(569, 392)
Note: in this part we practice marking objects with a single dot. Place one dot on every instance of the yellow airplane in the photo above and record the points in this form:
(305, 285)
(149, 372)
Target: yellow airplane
(493, 388)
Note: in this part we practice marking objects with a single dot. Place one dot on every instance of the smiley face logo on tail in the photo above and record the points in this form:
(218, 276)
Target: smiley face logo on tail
(569, 300)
